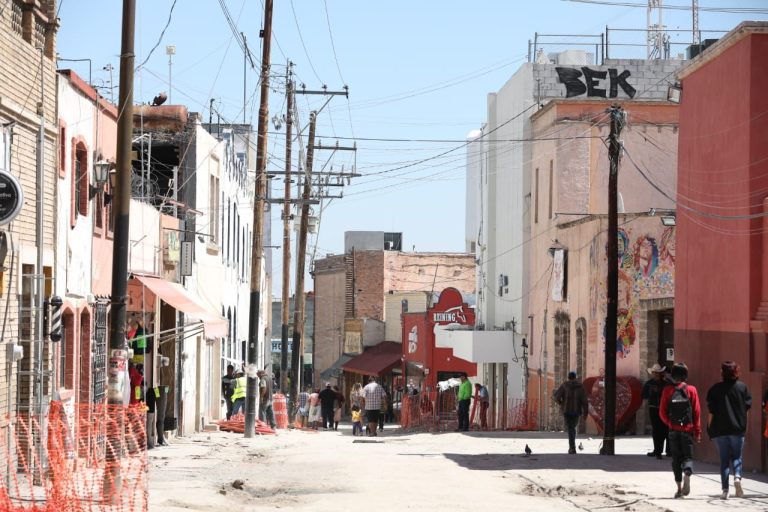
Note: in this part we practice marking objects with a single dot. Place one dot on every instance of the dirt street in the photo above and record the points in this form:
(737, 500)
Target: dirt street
(298, 470)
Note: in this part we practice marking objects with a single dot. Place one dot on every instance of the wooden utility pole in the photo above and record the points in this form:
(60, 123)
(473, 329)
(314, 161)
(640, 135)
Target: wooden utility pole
(254, 313)
(609, 405)
(118, 355)
(286, 304)
(299, 300)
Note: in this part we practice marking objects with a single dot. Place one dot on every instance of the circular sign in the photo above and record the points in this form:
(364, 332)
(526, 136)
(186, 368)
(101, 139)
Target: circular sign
(11, 197)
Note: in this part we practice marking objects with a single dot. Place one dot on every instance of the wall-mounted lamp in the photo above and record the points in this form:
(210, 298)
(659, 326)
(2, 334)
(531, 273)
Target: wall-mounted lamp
(101, 172)
(675, 93)
(668, 220)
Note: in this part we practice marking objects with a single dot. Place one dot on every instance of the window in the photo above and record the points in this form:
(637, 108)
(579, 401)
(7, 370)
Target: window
(536, 199)
(551, 184)
(79, 205)
(213, 209)
(16, 18)
(62, 150)
(39, 34)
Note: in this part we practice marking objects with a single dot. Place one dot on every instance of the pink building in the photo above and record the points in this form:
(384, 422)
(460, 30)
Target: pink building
(568, 269)
(722, 222)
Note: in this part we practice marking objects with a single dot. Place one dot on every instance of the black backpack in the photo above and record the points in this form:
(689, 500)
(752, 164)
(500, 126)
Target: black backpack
(679, 409)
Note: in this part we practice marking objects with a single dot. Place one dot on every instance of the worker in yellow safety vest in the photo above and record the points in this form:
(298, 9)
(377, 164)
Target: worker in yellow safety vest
(238, 395)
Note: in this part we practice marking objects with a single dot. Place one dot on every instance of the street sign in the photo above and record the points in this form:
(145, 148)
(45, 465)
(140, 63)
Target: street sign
(11, 197)
(186, 258)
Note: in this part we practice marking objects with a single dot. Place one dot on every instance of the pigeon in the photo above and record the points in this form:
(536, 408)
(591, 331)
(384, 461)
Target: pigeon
(527, 450)
(581, 447)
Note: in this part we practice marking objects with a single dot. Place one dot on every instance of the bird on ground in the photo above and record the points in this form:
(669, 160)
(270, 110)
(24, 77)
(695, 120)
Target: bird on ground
(528, 450)
(581, 447)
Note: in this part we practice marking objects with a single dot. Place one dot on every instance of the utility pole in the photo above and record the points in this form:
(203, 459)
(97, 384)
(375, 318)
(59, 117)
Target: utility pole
(299, 299)
(258, 227)
(118, 355)
(609, 404)
(286, 293)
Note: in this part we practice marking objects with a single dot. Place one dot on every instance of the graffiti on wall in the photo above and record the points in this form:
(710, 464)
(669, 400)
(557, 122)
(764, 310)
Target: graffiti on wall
(576, 86)
(646, 264)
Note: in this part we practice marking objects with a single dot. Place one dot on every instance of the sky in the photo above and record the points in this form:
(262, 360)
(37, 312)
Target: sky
(418, 73)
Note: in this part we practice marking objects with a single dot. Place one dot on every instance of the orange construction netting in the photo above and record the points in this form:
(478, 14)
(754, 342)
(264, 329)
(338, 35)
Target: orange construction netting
(76, 458)
(436, 412)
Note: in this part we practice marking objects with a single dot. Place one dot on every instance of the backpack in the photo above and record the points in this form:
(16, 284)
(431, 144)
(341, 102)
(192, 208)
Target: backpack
(679, 409)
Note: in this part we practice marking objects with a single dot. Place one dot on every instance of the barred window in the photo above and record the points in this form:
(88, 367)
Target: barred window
(16, 18)
(39, 34)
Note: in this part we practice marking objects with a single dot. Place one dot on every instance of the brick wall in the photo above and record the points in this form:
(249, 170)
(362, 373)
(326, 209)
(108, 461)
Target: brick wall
(21, 81)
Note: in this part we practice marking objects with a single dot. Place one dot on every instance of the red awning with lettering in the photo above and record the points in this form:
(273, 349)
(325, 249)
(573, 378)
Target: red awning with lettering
(187, 302)
(376, 360)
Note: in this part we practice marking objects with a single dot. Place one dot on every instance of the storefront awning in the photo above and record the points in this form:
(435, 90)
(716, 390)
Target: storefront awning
(335, 368)
(187, 302)
(376, 360)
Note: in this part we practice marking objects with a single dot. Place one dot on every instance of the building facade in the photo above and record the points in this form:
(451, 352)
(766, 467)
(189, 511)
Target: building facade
(722, 275)
(568, 263)
(501, 201)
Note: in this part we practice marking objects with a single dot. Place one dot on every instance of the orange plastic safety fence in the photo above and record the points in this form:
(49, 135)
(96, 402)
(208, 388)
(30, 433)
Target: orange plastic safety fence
(436, 411)
(78, 458)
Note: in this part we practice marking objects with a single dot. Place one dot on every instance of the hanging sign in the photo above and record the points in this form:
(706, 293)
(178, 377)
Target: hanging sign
(11, 197)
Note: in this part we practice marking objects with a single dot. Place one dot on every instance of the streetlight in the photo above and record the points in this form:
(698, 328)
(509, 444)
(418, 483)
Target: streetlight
(100, 177)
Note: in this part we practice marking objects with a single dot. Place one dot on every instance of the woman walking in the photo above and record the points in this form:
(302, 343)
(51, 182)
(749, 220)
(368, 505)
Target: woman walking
(729, 402)
(338, 407)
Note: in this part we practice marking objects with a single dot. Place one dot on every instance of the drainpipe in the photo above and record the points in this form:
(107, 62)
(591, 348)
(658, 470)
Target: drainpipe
(39, 240)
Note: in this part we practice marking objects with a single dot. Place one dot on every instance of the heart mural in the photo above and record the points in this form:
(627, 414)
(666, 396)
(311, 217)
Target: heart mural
(628, 400)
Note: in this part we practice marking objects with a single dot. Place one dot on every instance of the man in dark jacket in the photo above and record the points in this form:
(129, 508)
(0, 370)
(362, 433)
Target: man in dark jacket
(327, 398)
(573, 402)
(729, 402)
(652, 390)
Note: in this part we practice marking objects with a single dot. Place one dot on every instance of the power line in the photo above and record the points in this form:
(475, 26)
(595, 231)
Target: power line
(303, 44)
(159, 39)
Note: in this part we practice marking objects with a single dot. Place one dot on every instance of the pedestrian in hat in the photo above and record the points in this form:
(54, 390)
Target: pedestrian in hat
(652, 390)
(572, 399)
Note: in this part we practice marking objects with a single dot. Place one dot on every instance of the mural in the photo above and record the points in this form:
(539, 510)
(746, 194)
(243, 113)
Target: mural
(646, 271)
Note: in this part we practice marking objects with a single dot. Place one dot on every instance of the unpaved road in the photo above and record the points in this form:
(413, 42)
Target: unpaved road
(419, 471)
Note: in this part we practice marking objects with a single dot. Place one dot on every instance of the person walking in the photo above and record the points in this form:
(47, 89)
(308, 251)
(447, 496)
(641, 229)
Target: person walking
(729, 402)
(266, 413)
(338, 407)
(238, 394)
(464, 398)
(679, 409)
(572, 399)
(227, 386)
(302, 407)
(652, 390)
(373, 396)
(327, 399)
(482, 397)
(314, 409)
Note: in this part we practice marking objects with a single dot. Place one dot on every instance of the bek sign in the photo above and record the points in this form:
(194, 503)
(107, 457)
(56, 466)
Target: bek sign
(588, 81)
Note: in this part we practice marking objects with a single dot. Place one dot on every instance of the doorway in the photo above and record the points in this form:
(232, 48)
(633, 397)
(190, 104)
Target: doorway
(666, 353)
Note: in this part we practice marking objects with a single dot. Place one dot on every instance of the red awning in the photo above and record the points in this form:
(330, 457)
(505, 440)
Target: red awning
(376, 360)
(187, 302)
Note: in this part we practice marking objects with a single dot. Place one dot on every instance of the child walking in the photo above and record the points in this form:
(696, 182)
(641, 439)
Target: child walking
(357, 425)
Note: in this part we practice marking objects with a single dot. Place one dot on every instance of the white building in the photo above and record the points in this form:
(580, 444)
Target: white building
(500, 190)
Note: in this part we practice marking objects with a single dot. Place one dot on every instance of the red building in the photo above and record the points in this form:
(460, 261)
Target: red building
(426, 363)
(721, 309)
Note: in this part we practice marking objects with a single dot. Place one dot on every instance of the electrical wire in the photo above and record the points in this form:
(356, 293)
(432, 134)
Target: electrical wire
(159, 39)
(303, 44)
